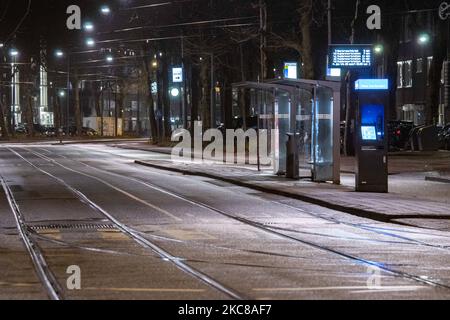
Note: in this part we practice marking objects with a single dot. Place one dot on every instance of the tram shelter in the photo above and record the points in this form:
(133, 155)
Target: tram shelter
(306, 109)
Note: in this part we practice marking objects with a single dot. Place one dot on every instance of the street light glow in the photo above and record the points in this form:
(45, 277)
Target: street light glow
(105, 10)
(175, 92)
(14, 53)
(90, 42)
(59, 53)
(378, 49)
(88, 26)
(424, 38)
(109, 59)
(62, 94)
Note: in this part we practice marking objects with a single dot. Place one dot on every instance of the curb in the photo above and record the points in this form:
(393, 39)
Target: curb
(95, 142)
(362, 213)
(436, 179)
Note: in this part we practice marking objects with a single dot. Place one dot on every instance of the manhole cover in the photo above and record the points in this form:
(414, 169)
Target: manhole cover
(73, 227)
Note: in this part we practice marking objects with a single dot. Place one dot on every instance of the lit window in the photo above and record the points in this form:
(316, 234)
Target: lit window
(408, 79)
(399, 74)
(429, 64)
(419, 68)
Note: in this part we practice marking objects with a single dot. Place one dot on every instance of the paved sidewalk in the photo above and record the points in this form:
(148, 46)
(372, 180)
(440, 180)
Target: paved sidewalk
(414, 199)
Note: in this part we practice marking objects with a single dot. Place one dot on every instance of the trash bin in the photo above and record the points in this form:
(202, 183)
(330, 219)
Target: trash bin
(292, 157)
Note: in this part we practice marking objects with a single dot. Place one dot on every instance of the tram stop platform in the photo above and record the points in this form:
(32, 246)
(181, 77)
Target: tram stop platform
(414, 198)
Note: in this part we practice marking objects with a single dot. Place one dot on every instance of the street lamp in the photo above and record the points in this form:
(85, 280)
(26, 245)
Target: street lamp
(88, 26)
(109, 58)
(105, 10)
(90, 42)
(175, 92)
(424, 38)
(378, 49)
(13, 53)
(60, 54)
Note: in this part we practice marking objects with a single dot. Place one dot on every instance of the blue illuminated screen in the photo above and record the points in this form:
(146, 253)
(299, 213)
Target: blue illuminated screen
(372, 122)
(369, 133)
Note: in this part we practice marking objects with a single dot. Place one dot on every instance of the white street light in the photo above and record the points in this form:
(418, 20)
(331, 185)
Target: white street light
(88, 26)
(62, 94)
(59, 53)
(105, 10)
(109, 59)
(175, 92)
(90, 42)
(424, 38)
(14, 53)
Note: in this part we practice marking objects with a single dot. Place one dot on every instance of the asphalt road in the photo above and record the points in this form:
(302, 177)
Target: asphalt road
(138, 233)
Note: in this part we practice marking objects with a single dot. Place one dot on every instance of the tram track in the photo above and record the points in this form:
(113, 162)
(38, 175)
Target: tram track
(45, 275)
(360, 227)
(136, 236)
(263, 227)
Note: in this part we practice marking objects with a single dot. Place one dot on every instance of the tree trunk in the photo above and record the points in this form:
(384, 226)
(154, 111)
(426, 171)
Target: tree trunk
(57, 112)
(29, 114)
(166, 100)
(150, 101)
(439, 52)
(349, 110)
(205, 105)
(306, 44)
(78, 120)
(3, 124)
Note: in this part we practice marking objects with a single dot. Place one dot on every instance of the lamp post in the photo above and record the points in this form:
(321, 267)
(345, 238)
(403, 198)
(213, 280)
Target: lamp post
(14, 53)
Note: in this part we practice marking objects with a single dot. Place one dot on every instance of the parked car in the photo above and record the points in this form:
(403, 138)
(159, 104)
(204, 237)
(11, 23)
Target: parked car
(399, 134)
(21, 129)
(85, 131)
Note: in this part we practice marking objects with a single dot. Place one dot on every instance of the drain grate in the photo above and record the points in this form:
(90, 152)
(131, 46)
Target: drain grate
(73, 227)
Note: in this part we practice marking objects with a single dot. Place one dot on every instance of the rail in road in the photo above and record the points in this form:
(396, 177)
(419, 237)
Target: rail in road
(279, 232)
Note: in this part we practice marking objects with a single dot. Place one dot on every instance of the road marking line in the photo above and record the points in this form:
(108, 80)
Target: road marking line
(145, 290)
(115, 236)
(187, 235)
(391, 288)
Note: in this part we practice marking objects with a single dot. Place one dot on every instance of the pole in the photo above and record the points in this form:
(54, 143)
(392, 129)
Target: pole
(68, 96)
(14, 99)
(330, 34)
(183, 88)
(213, 117)
(116, 120)
(263, 29)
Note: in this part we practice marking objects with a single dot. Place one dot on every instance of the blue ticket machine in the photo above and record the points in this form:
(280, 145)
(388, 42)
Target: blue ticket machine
(371, 135)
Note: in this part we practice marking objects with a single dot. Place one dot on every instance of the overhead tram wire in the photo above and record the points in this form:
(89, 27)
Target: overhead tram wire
(11, 35)
(194, 23)
(155, 5)
(6, 11)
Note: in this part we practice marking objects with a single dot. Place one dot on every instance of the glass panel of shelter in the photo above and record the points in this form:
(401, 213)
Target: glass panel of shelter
(307, 110)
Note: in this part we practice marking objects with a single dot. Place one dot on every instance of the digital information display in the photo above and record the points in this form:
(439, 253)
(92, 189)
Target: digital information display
(369, 133)
(290, 70)
(351, 56)
(372, 84)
